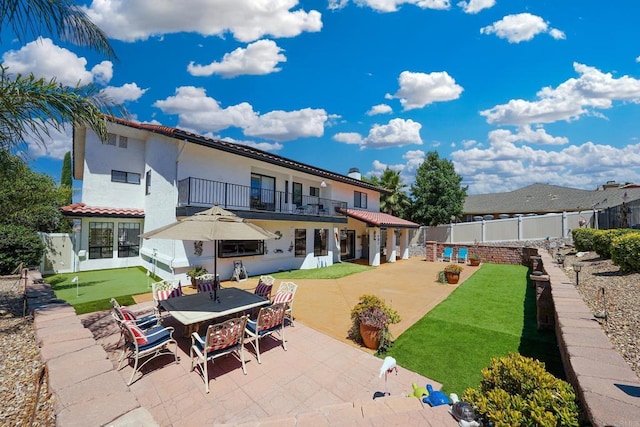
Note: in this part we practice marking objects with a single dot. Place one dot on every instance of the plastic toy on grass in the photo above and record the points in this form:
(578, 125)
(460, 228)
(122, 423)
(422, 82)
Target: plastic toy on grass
(435, 397)
(418, 392)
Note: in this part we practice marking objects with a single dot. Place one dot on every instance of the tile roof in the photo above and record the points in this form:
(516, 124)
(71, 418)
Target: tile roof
(544, 198)
(246, 151)
(80, 209)
(380, 219)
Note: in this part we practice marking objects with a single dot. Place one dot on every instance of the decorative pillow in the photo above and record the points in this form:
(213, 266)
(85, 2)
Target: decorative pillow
(263, 289)
(283, 297)
(127, 314)
(139, 336)
(206, 286)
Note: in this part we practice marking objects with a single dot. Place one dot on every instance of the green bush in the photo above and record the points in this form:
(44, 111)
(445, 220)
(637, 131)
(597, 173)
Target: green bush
(625, 252)
(602, 240)
(583, 239)
(19, 244)
(518, 391)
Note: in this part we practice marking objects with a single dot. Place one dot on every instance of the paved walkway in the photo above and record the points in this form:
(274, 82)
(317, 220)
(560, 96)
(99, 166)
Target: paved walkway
(323, 379)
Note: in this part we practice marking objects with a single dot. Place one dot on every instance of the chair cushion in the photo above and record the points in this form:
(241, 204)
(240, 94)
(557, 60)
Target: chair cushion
(146, 321)
(164, 294)
(283, 297)
(207, 286)
(155, 340)
(138, 334)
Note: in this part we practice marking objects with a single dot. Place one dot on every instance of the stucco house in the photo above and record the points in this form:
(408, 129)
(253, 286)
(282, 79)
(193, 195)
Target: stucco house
(147, 176)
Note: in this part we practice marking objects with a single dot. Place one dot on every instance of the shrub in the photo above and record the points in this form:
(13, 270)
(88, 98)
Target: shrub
(19, 244)
(583, 239)
(602, 240)
(625, 252)
(518, 391)
(453, 268)
(367, 307)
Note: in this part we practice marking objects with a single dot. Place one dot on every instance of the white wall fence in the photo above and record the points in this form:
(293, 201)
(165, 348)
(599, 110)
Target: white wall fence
(510, 229)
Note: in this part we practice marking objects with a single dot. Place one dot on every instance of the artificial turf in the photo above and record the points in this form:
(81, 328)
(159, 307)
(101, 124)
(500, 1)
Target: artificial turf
(334, 271)
(489, 315)
(94, 289)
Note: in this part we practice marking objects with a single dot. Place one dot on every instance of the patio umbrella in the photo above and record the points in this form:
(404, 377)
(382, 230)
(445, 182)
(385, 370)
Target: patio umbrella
(211, 225)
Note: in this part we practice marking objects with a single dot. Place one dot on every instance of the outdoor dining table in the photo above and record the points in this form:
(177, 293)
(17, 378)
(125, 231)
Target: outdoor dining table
(195, 309)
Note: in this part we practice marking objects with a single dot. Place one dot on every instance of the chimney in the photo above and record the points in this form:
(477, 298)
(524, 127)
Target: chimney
(355, 174)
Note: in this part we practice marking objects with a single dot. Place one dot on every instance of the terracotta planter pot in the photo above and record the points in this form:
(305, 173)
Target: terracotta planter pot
(474, 262)
(370, 336)
(452, 278)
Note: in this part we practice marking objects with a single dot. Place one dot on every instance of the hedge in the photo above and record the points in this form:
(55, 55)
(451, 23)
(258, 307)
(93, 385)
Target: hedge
(625, 252)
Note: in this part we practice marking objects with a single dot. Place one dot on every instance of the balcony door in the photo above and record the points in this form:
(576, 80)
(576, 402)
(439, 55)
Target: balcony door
(263, 194)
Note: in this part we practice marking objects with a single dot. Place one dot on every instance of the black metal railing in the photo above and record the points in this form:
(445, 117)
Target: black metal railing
(203, 192)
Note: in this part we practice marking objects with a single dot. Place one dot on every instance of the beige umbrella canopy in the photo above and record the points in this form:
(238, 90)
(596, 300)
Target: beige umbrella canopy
(211, 225)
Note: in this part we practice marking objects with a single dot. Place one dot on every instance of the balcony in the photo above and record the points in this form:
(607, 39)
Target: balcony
(197, 192)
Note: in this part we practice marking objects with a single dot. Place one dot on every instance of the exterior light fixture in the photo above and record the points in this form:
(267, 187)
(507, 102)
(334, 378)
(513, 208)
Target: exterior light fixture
(577, 267)
(323, 184)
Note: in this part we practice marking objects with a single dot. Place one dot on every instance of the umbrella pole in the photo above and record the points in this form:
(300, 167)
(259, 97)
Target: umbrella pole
(216, 283)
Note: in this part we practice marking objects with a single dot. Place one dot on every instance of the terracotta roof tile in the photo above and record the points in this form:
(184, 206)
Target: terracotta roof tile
(80, 209)
(380, 219)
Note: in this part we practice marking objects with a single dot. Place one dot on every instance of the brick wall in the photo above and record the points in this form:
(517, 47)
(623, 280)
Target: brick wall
(488, 253)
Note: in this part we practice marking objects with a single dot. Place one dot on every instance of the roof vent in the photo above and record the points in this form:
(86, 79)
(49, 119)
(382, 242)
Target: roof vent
(354, 173)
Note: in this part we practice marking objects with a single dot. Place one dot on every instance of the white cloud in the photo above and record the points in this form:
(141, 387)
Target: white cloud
(247, 20)
(124, 93)
(202, 113)
(392, 5)
(57, 144)
(520, 27)
(526, 134)
(379, 109)
(348, 137)
(288, 125)
(420, 89)
(475, 6)
(264, 146)
(413, 158)
(337, 4)
(397, 133)
(468, 143)
(557, 34)
(261, 57)
(45, 59)
(505, 166)
(570, 100)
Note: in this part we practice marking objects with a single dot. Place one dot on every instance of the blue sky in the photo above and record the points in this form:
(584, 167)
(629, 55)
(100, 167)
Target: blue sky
(513, 92)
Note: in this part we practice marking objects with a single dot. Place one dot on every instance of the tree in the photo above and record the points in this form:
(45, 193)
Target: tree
(28, 198)
(397, 203)
(30, 106)
(437, 194)
(65, 176)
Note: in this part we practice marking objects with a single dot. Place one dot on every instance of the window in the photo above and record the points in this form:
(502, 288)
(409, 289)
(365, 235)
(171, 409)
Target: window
(128, 239)
(360, 199)
(286, 191)
(320, 241)
(147, 183)
(127, 177)
(236, 248)
(123, 141)
(301, 242)
(297, 193)
(263, 193)
(100, 240)
(314, 191)
(111, 139)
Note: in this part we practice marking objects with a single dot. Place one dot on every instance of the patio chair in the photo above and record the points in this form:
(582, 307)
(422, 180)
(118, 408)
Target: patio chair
(163, 290)
(270, 320)
(239, 272)
(142, 321)
(149, 344)
(286, 292)
(207, 282)
(221, 339)
(463, 255)
(447, 255)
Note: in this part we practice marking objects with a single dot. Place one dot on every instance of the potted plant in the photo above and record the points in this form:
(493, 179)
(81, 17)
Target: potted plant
(371, 318)
(474, 260)
(194, 272)
(452, 271)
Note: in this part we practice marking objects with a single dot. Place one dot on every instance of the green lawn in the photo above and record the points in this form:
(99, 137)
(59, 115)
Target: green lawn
(491, 314)
(334, 271)
(96, 288)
